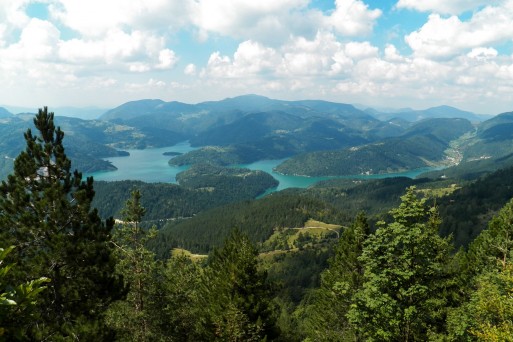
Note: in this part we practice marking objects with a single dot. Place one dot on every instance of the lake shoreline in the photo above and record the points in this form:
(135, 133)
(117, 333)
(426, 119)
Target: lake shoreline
(152, 166)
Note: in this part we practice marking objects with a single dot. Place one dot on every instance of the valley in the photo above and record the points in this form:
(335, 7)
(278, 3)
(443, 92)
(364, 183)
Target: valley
(291, 181)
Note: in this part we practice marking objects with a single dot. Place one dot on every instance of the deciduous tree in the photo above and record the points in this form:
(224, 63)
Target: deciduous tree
(404, 293)
(487, 312)
(16, 301)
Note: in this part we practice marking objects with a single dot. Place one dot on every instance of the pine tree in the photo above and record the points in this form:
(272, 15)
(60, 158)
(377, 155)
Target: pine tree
(327, 316)
(137, 317)
(185, 314)
(239, 296)
(404, 293)
(45, 211)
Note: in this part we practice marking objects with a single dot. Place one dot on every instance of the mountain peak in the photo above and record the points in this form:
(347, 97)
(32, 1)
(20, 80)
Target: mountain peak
(4, 113)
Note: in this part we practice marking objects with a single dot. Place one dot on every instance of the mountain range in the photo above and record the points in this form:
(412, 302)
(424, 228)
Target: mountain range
(412, 115)
(318, 137)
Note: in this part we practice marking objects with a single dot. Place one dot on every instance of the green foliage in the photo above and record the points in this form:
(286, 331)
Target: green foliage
(238, 182)
(170, 201)
(467, 211)
(488, 314)
(256, 218)
(135, 318)
(494, 244)
(185, 304)
(45, 210)
(17, 302)
(421, 146)
(487, 310)
(296, 272)
(327, 317)
(374, 197)
(405, 276)
(240, 296)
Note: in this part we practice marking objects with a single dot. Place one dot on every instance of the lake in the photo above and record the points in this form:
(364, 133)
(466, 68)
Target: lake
(150, 165)
(304, 182)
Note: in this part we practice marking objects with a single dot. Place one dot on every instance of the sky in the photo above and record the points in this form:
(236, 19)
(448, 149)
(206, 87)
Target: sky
(377, 53)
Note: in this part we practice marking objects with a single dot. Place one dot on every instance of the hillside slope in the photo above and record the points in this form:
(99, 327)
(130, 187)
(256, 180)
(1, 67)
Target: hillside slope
(423, 145)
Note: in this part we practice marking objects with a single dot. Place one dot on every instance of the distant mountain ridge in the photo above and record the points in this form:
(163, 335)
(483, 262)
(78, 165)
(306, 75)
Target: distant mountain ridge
(412, 115)
(4, 113)
(84, 113)
(246, 103)
(86, 141)
(187, 117)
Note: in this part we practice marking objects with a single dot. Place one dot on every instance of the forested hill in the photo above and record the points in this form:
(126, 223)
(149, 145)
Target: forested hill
(465, 209)
(257, 219)
(422, 145)
(196, 193)
(87, 141)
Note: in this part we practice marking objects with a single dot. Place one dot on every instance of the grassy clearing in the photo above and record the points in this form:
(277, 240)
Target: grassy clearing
(439, 192)
(290, 239)
(285, 240)
(183, 252)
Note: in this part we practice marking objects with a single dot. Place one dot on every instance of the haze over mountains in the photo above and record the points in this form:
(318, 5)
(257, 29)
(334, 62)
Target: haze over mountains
(429, 113)
(86, 113)
(256, 103)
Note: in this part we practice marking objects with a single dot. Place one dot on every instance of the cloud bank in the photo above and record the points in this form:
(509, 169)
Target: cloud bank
(94, 52)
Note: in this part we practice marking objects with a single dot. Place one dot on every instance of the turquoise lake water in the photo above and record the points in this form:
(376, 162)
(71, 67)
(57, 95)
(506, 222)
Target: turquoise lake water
(150, 165)
(304, 182)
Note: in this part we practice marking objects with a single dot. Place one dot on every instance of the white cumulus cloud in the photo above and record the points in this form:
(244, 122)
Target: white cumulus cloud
(445, 37)
(190, 69)
(443, 6)
(251, 58)
(12, 12)
(264, 20)
(483, 53)
(96, 17)
(353, 17)
(360, 50)
(167, 59)
(38, 41)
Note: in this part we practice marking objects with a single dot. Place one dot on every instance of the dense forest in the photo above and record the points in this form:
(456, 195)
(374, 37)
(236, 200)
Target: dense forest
(200, 188)
(287, 267)
(424, 144)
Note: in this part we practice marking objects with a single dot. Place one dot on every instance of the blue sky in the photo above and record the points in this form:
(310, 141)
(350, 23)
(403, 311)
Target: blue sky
(380, 53)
